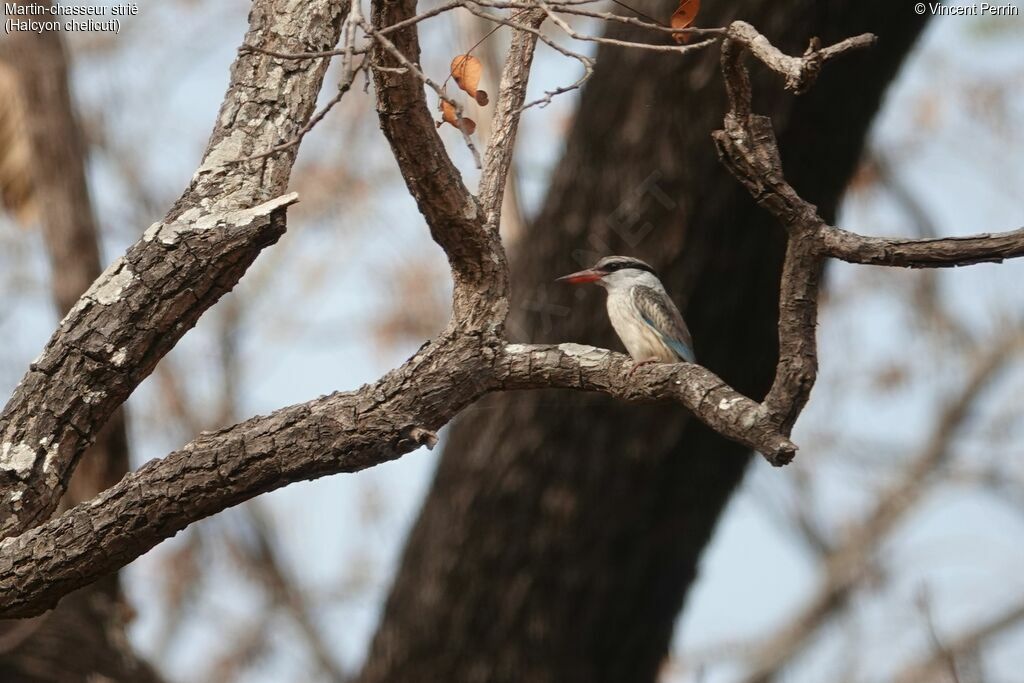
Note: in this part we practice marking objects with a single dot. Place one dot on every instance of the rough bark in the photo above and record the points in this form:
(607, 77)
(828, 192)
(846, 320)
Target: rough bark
(65, 214)
(456, 219)
(343, 432)
(354, 430)
(146, 300)
(86, 636)
(563, 531)
(350, 431)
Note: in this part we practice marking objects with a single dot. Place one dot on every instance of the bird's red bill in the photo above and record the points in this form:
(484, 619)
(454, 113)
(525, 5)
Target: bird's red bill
(581, 277)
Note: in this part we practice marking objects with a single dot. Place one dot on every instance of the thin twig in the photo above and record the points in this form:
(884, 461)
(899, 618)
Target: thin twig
(587, 62)
(572, 33)
(385, 43)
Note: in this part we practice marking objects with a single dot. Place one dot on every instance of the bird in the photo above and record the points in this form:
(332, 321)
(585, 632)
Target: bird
(644, 317)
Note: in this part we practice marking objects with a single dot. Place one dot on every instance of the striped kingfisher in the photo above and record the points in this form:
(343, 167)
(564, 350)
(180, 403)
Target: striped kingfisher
(640, 310)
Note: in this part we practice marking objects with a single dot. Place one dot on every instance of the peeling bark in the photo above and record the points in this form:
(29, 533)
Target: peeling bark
(513, 560)
(147, 299)
(344, 432)
(87, 636)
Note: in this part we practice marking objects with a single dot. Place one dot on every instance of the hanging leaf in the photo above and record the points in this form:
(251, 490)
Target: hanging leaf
(683, 17)
(448, 115)
(467, 70)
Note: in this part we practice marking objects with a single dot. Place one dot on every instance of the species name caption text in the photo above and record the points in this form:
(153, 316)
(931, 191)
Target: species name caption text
(37, 18)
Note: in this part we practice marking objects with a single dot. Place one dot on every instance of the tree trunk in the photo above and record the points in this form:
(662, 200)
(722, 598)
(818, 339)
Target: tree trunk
(84, 637)
(562, 531)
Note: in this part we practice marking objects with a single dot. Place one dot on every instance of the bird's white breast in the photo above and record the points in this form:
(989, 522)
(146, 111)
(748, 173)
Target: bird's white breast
(641, 340)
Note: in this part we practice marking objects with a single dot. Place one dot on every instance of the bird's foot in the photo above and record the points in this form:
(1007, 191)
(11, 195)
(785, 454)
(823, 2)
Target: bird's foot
(639, 364)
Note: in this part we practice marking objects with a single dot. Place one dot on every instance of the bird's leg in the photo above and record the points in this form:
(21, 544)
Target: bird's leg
(640, 364)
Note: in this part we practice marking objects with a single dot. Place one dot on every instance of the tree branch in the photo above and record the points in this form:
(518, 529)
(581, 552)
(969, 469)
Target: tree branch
(505, 122)
(748, 149)
(938, 252)
(708, 397)
(798, 72)
(146, 301)
(454, 216)
(344, 432)
(143, 303)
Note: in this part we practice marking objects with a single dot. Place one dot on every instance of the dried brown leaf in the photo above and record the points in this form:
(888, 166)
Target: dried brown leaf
(683, 17)
(448, 115)
(467, 70)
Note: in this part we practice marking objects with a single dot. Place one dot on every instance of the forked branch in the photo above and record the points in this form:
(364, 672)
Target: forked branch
(234, 208)
(747, 147)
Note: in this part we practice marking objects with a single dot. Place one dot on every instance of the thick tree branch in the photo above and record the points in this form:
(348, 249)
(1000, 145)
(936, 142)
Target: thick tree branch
(344, 432)
(747, 146)
(142, 304)
(708, 397)
(149, 298)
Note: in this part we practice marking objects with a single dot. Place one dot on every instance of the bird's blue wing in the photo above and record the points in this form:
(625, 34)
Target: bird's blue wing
(660, 313)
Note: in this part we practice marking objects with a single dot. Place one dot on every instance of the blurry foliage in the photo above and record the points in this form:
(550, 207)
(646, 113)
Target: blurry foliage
(15, 177)
(346, 185)
(940, 600)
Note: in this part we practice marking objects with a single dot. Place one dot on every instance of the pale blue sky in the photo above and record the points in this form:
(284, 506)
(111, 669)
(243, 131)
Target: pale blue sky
(160, 97)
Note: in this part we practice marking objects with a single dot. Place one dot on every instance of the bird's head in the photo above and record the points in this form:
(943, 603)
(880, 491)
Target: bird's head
(613, 271)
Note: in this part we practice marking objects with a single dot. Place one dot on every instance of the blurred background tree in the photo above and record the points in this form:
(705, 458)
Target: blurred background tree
(561, 533)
